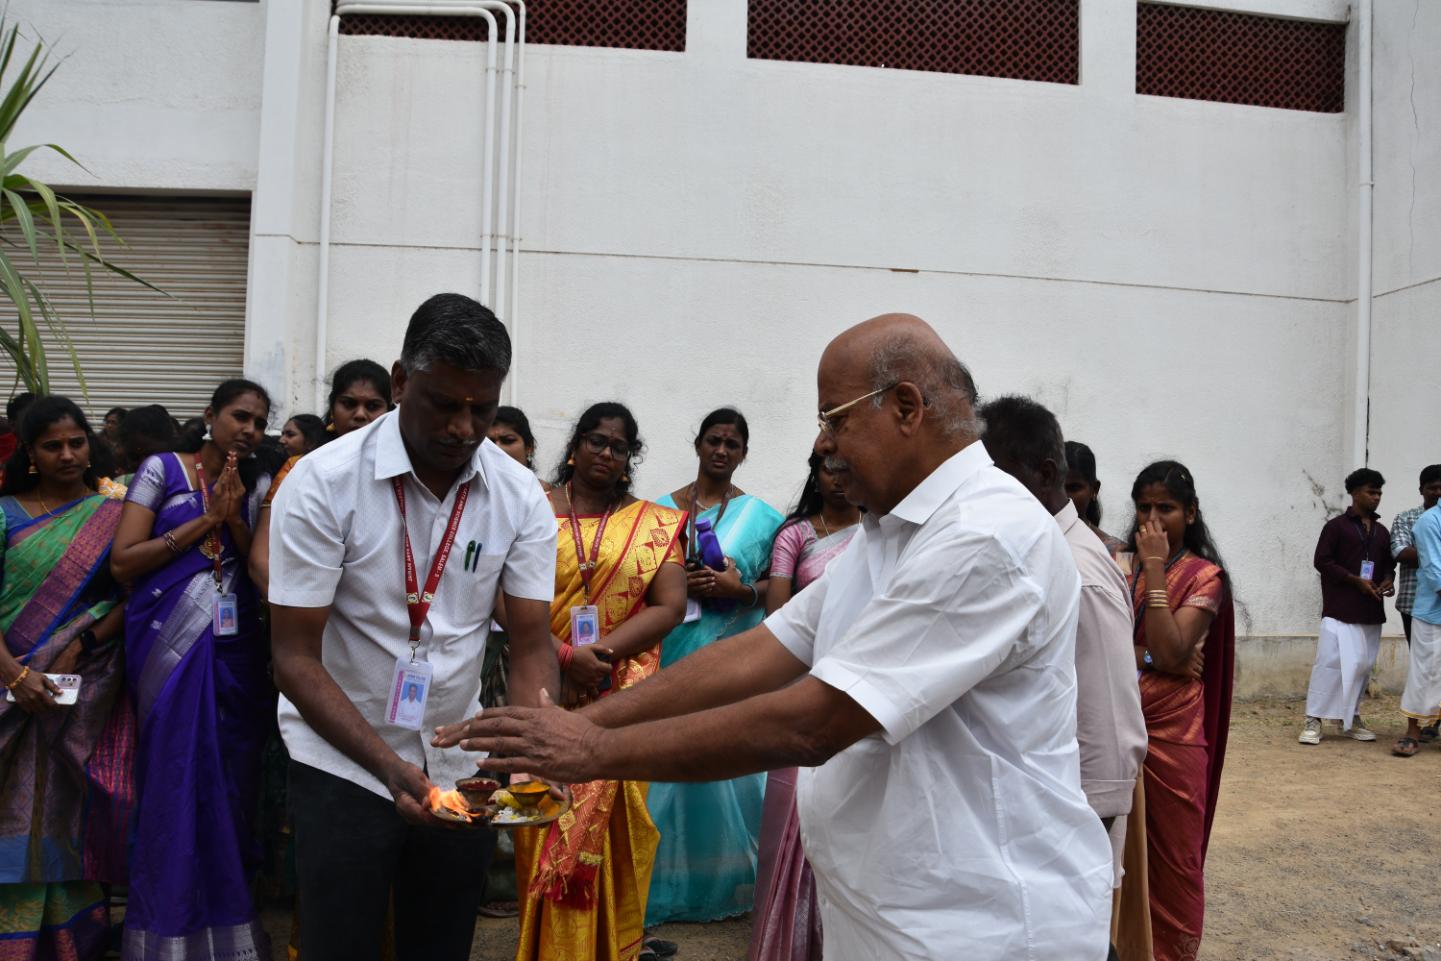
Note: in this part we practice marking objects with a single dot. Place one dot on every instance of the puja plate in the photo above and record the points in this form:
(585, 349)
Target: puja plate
(539, 806)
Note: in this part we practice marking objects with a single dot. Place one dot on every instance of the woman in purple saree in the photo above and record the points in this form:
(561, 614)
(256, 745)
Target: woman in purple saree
(201, 693)
(65, 786)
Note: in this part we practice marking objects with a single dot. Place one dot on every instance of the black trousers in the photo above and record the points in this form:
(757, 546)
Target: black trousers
(1406, 626)
(352, 850)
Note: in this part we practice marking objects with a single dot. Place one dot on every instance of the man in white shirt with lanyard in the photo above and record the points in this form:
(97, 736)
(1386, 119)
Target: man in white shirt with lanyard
(379, 629)
(927, 679)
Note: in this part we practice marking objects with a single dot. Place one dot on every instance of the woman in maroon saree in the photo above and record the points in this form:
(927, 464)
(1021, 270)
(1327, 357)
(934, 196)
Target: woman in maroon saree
(1185, 651)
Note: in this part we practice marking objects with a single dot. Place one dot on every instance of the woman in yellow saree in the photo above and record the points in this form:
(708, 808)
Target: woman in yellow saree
(584, 879)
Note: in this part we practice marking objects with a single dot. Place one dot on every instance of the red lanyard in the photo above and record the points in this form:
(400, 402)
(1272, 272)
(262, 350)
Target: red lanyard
(211, 544)
(418, 603)
(587, 567)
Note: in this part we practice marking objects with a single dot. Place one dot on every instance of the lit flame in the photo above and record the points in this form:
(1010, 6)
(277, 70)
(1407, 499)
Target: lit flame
(452, 801)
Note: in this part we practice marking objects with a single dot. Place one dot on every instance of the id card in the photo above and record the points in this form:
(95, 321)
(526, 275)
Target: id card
(408, 692)
(692, 610)
(1368, 570)
(225, 616)
(69, 685)
(584, 625)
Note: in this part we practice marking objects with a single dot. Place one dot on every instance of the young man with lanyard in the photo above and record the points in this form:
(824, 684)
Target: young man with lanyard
(367, 609)
(1353, 557)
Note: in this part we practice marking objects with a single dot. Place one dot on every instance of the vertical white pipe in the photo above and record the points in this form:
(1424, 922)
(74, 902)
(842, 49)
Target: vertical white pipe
(1361, 411)
(327, 158)
(513, 382)
(502, 233)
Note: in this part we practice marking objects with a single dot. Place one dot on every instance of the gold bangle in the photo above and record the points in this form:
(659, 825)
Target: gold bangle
(24, 673)
(1159, 559)
(1164, 605)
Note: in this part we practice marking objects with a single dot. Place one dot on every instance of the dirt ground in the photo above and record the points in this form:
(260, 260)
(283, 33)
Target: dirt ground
(1325, 853)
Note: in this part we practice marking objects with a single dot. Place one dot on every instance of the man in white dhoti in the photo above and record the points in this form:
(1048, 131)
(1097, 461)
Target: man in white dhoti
(1353, 557)
(1422, 699)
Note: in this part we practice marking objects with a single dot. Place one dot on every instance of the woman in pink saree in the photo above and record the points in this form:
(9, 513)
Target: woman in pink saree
(786, 924)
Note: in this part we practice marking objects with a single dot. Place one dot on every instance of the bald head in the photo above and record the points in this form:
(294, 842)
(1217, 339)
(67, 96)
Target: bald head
(895, 348)
(902, 402)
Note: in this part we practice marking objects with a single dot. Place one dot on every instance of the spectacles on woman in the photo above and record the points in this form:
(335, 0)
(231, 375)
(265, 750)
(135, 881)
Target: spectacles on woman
(597, 442)
(828, 426)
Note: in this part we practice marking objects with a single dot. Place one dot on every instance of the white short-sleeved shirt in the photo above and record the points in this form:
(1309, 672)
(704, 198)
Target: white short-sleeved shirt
(335, 540)
(960, 831)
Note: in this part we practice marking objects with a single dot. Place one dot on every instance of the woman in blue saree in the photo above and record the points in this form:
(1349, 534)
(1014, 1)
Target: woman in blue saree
(196, 669)
(65, 787)
(705, 868)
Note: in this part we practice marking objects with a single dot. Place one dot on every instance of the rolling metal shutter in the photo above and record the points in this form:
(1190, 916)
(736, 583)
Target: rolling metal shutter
(144, 347)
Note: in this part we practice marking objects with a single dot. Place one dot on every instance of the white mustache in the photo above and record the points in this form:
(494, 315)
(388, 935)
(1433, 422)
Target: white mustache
(836, 464)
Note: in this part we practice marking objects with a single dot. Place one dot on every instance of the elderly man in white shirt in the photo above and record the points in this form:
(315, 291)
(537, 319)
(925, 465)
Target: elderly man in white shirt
(927, 679)
(387, 550)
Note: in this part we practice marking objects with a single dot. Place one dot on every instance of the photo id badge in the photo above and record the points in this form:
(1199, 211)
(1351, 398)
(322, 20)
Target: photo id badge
(1368, 570)
(584, 625)
(408, 691)
(225, 616)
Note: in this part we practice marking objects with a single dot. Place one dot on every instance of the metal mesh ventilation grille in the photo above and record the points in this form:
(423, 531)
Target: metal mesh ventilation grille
(1019, 39)
(1240, 58)
(626, 24)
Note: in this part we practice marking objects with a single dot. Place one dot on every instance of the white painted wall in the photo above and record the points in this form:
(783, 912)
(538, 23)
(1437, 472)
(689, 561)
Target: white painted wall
(1405, 424)
(1173, 277)
(154, 95)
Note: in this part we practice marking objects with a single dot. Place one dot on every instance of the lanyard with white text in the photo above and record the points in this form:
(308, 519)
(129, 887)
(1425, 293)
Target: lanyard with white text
(587, 565)
(210, 544)
(418, 603)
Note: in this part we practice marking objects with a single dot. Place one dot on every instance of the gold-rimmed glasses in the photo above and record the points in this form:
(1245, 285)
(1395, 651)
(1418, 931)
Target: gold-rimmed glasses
(824, 418)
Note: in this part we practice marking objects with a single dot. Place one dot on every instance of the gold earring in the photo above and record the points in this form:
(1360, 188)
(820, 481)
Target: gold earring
(625, 478)
(570, 462)
(32, 469)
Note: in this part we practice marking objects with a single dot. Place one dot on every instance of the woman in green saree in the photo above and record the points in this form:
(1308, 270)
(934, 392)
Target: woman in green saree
(65, 784)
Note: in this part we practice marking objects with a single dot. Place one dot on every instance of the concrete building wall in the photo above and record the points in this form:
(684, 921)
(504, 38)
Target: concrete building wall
(1175, 278)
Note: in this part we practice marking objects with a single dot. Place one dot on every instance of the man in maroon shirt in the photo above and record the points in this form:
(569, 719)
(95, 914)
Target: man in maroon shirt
(1353, 557)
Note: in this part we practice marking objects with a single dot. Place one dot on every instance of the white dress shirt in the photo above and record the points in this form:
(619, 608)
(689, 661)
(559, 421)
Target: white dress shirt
(1110, 726)
(960, 831)
(335, 541)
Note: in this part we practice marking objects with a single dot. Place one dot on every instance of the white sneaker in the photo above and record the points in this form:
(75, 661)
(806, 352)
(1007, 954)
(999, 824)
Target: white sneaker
(1311, 733)
(1359, 731)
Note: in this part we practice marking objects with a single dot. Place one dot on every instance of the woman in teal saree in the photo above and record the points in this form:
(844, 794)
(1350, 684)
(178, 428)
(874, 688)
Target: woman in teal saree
(65, 771)
(705, 868)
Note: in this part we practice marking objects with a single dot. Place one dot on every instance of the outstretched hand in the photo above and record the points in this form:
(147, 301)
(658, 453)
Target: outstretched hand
(547, 741)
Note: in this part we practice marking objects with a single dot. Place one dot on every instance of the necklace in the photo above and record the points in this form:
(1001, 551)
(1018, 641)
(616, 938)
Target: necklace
(824, 526)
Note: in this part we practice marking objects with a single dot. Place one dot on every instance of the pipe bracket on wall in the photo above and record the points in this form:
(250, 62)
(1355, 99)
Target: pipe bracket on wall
(494, 236)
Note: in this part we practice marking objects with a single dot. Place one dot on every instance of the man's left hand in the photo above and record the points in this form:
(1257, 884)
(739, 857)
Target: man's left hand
(547, 741)
(1388, 587)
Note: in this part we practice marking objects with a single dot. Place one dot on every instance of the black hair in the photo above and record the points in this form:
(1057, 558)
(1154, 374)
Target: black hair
(355, 372)
(104, 459)
(588, 422)
(1364, 477)
(145, 431)
(1177, 480)
(264, 460)
(1430, 474)
(38, 417)
(725, 415)
(811, 499)
(190, 435)
(456, 330)
(1024, 433)
(116, 412)
(15, 408)
(312, 428)
(1080, 460)
(515, 419)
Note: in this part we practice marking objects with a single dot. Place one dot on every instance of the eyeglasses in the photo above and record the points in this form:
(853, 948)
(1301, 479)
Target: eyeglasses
(824, 418)
(597, 442)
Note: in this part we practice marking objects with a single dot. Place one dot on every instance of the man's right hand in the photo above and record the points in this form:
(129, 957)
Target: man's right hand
(1366, 587)
(410, 788)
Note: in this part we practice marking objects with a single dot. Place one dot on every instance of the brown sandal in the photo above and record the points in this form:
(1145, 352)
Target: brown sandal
(1405, 747)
